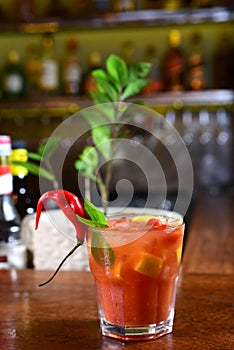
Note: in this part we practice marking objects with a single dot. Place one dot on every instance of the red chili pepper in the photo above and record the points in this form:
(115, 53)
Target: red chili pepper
(70, 205)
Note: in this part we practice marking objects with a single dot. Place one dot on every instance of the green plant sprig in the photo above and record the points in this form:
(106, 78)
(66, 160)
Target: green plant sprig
(115, 84)
(36, 159)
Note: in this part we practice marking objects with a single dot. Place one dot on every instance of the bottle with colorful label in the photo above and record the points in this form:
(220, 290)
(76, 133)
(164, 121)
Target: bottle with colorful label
(23, 197)
(12, 249)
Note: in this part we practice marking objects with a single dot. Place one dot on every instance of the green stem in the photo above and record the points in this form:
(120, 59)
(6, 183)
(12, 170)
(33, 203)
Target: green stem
(50, 168)
(104, 192)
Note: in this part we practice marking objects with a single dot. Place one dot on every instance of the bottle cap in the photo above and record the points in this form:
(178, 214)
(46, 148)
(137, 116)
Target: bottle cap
(5, 145)
(95, 58)
(174, 38)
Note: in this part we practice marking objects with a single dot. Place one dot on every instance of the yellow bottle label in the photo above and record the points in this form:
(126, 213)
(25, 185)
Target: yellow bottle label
(19, 155)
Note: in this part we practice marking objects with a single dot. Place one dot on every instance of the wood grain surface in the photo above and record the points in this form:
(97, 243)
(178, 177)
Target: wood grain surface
(63, 314)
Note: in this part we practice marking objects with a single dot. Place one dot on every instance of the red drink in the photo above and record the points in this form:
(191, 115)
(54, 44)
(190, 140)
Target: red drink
(135, 263)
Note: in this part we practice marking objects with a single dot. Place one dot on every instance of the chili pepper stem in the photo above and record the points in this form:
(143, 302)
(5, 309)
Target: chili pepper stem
(78, 244)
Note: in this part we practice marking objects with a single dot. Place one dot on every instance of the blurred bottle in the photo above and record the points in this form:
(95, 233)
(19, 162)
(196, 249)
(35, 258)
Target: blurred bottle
(223, 63)
(24, 10)
(174, 63)
(23, 199)
(204, 3)
(32, 68)
(94, 63)
(156, 83)
(13, 78)
(12, 249)
(152, 4)
(128, 52)
(71, 69)
(58, 8)
(123, 5)
(196, 75)
(49, 79)
(172, 5)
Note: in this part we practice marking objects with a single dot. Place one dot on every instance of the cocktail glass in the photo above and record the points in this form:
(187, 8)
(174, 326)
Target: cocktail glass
(135, 263)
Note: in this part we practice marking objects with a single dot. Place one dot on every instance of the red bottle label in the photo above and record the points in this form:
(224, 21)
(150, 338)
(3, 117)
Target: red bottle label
(6, 186)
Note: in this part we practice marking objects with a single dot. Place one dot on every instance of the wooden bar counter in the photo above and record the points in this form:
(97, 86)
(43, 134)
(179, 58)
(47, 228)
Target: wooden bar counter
(63, 314)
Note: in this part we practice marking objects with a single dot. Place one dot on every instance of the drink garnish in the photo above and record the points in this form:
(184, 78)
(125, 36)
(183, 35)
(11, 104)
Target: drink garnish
(101, 250)
(79, 212)
(143, 218)
(150, 220)
(95, 216)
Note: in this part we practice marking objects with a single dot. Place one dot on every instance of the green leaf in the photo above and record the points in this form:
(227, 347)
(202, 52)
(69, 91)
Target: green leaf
(105, 87)
(101, 136)
(34, 156)
(99, 98)
(89, 156)
(100, 73)
(117, 69)
(84, 169)
(108, 109)
(90, 222)
(94, 213)
(93, 116)
(139, 70)
(37, 170)
(48, 148)
(134, 87)
(101, 250)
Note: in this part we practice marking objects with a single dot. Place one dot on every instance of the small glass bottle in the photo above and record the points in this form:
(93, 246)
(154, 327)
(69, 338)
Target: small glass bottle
(123, 5)
(71, 69)
(223, 63)
(174, 63)
(12, 248)
(128, 52)
(13, 78)
(49, 79)
(156, 83)
(23, 198)
(94, 63)
(32, 68)
(196, 77)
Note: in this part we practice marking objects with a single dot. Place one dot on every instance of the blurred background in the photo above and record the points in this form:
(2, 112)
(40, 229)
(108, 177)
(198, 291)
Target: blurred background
(48, 50)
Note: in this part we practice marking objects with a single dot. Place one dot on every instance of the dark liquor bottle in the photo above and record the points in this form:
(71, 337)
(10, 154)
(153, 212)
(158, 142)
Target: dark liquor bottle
(12, 249)
(155, 84)
(223, 63)
(174, 63)
(94, 63)
(196, 77)
(23, 198)
(32, 68)
(129, 52)
(13, 79)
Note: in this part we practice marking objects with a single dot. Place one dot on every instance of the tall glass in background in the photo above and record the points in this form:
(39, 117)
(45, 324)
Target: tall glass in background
(135, 263)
